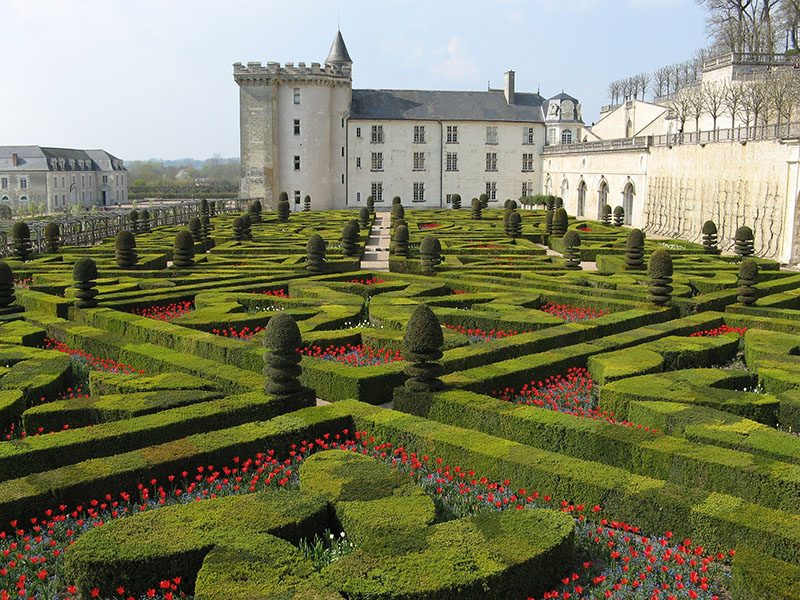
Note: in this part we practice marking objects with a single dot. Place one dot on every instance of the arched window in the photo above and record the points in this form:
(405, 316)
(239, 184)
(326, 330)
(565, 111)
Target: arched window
(602, 198)
(566, 136)
(581, 199)
(548, 186)
(629, 129)
(565, 191)
(627, 202)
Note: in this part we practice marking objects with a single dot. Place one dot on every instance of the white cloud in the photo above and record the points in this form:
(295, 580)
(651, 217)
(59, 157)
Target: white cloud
(459, 66)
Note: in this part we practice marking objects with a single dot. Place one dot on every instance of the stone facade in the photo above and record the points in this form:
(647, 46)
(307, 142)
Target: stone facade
(55, 178)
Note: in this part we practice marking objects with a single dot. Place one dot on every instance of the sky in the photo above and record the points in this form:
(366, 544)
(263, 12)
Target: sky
(154, 78)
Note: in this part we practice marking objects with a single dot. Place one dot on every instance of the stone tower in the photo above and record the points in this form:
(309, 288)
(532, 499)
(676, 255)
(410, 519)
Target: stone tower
(292, 127)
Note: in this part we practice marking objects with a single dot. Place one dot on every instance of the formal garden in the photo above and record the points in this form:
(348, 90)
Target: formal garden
(523, 406)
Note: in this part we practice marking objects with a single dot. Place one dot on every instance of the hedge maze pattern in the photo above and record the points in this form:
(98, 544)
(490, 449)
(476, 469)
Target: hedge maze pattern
(590, 422)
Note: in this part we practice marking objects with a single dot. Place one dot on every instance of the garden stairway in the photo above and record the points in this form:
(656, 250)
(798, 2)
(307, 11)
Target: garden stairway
(376, 251)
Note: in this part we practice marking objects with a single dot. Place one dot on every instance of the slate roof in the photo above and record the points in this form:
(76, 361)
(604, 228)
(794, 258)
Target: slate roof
(338, 53)
(37, 158)
(426, 105)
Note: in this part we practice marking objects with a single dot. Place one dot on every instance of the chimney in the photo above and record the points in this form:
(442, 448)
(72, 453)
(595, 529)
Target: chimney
(509, 89)
(14, 160)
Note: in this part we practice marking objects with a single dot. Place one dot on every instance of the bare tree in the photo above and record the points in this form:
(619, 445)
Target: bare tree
(660, 83)
(644, 83)
(713, 100)
(742, 25)
(789, 15)
(754, 101)
(613, 91)
(694, 96)
(779, 96)
(679, 105)
(732, 99)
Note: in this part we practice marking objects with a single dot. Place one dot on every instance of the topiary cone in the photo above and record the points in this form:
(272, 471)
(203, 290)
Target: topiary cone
(619, 216)
(506, 214)
(514, 224)
(254, 210)
(238, 229)
(430, 251)
(710, 238)
(371, 205)
(204, 209)
(51, 237)
(282, 369)
(283, 210)
(422, 345)
(484, 198)
(22, 240)
(476, 209)
(84, 275)
(400, 239)
(605, 214)
(133, 216)
(572, 254)
(315, 254)
(659, 268)
(398, 212)
(364, 217)
(634, 250)
(350, 245)
(196, 229)
(560, 222)
(7, 295)
(396, 200)
(248, 227)
(205, 222)
(455, 201)
(744, 242)
(125, 250)
(183, 250)
(144, 221)
(748, 277)
(548, 222)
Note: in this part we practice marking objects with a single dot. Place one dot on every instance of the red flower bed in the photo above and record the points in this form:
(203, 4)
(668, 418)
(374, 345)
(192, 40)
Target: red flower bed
(722, 329)
(276, 293)
(245, 333)
(370, 281)
(572, 313)
(584, 228)
(92, 362)
(458, 292)
(354, 356)
(489, 246)
(14, 432)
(429, 225)
(479, 335)
(165, 313)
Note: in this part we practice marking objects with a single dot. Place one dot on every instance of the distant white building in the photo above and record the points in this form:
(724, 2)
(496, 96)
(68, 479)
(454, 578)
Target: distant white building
(305, 131)
(55, 178)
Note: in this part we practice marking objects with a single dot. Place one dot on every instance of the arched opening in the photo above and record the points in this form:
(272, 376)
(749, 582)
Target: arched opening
(565, 191)
(73, 194)
(629, 129)
(602, 198)
(627, 202)
(566, 136)
(548, 186)
(581, 198)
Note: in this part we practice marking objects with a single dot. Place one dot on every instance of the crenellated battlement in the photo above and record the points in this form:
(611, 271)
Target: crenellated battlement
(290, 70)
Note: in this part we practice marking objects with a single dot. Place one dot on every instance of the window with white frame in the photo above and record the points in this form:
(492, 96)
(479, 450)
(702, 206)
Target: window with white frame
(449, 199)
(527, 135)
(377, 162)
(419, 191)
(376, 136)
(358, 132)
(491, 134)
(297, 126)
(358, 196)
(419, 161)
(358, 162)
(452, 134)
(377, 191)
(23, 184)
(297, 196)
(566, 136)
(296, 162)
(452, 161)
(491, 190)
(527, 161)
(4, 183)
(419, 134)
(297, 95)
(527, 188)
(491, 161)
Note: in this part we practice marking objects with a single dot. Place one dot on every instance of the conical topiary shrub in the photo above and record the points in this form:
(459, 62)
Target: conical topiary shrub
(196, 229)
(51, 237)
(455, 201)
(743, 244)
(512, 204)
(634, 250)
(748, 277)
(514, 225)
(204, 209)
(144, 221)
(21, 233)
(558, 202)
(282, 360)
(572, 253)
(183, 250)
(710, 238)
(214, 206)
(315, 255)
(371, 205)
(133, 217)
(254, 213)
(238, 229)
(7, 295)
(396, 200)
(659, 268)
(548, 222)
(125, 250)
(283, 211)
(205, 223)
(307, 203)
(422, 346)
(619, 216)
(560, 222)
(476, 209)
(506, 214)
(363, 217)
(484, 201)
(605, 214)
(400, 241)
(430, 252)
(248, 226)
(398, 212)
(84, 274)
(350, 241)
(397, 222)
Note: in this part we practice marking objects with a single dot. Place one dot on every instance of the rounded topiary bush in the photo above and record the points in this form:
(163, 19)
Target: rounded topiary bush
(748, 277)
(283, 197)
(205, 223)
(196, 229)
(350, 245)
(512, 204)
(605, 214)
(7, 295)
(239, 232)
(455, 201)
(371, 205)
(484, 198)
(400, 241)
(398, 212)
(634, 250)
(307, 203)
(396, 200)
(21, 233)
(422, 345)
(183, 250)
(283, 211)
(550, 202)
(710, 238)
(315, 254)
(125, 250)
(476, 209)
(204, 209)
(659, 268)
(144, 220)
(559, 202)
(743, 244)
(254, 213)
(133, 217)
(364, 217)
(84, 274)
(282, 360)
(248, 226)
(560, 221)
(572, 253)
(506, 214)
(514, 224)
(51, 237)
(548, 222)
(619, 216)
(430, 252)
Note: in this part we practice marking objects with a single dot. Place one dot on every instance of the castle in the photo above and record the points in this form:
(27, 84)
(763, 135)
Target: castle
(305, 131)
